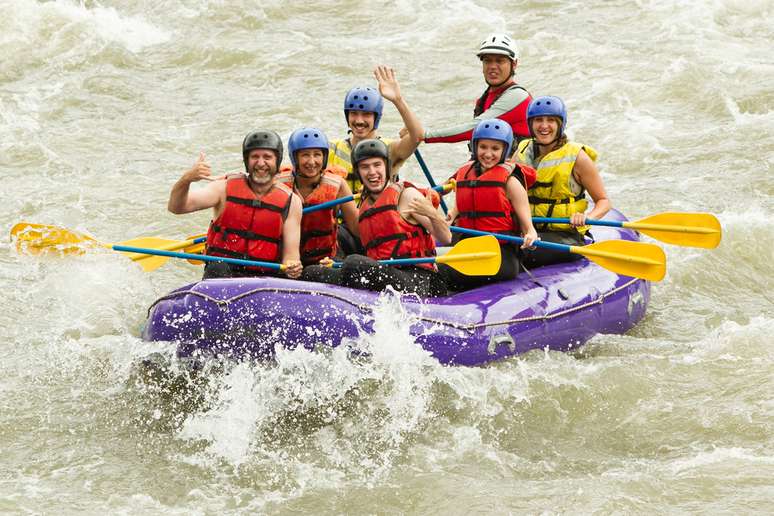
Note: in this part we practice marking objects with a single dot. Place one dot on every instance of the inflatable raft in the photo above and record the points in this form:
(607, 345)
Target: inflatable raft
(559, 308)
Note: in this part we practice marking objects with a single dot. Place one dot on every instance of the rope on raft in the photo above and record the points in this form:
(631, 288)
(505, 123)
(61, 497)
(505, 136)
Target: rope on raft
(469, 327)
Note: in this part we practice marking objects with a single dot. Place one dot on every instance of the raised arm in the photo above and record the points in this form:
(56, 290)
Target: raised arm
(520, 202)
(401, 149)
(418, 209)
(182, 200)
(587, 175)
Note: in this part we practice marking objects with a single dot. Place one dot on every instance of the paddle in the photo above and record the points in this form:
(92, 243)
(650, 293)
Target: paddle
(198, 257)
(479, 256)
(193, 245)
(686, 229)
(472, 256)
(428, 176)
(39, 238)
(43, 238)
(635, 259)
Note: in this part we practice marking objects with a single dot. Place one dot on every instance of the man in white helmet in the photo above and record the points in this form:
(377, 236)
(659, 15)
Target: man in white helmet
(503, 98)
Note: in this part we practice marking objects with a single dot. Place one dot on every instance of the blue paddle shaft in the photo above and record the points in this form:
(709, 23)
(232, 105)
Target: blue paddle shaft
(590, 222)
(348, 198)
(510, 238)
(200, 257)
(430, 180)
(329, 204)
(400, 261)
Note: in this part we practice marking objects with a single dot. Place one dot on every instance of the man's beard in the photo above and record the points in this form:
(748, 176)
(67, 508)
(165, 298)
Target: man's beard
(262, 179)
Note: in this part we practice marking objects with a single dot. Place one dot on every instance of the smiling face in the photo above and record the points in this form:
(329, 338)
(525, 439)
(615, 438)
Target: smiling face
(261, 166)
(497, 68)
(489, 152)
(373, 174)
(309, 162)
(545, 129)
(361, 123)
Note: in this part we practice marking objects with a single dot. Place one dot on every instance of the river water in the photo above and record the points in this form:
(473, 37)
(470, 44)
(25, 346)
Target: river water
(104, 104)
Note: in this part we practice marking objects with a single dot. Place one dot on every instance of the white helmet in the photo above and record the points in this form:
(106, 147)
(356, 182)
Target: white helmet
(500, 44)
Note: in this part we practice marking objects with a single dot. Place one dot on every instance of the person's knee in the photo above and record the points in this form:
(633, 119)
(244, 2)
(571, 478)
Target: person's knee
(347, 242)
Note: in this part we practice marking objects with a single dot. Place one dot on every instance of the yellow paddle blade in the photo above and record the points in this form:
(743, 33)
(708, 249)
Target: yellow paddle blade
(147, 242)
(635, 259)
(162, 244)
(478, 256)
(687, 229)
(146, 261)
(151, 262)
(195, 249)
(43, 238)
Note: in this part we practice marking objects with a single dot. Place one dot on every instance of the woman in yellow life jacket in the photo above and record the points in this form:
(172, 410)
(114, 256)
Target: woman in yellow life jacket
(566, 170)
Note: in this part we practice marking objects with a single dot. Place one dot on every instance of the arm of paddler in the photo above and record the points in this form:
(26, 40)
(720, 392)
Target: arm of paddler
(585, 172)
(291, 239)
(418, 209)
(520, 202)
(349, 210)
(183, 200)
(402, 149)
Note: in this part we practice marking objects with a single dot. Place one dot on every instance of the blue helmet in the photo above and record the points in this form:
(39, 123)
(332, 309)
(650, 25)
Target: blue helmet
(493, 129)
(547, 105)
(364, 99)
(307, 138)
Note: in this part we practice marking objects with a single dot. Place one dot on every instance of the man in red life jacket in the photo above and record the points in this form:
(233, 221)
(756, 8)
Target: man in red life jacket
(253, 217)
(308, 148)
(503, 98)
(492, 197)
(396, 221)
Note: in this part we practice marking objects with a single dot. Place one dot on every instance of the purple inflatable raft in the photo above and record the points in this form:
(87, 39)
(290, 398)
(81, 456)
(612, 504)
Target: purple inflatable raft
(560, 308)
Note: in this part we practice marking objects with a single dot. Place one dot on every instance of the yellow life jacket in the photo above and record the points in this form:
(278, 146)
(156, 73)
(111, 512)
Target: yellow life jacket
(555, 192)
(341, 155)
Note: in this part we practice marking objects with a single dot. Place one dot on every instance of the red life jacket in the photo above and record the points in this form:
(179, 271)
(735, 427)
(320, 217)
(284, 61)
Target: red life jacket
(490, 95)
(482, 202)
(385, 234)
(250, 227)
(319, 228)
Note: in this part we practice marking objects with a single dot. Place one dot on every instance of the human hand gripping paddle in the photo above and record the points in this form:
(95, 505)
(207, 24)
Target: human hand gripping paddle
(635, 259)
(685, 229)
(44, 238)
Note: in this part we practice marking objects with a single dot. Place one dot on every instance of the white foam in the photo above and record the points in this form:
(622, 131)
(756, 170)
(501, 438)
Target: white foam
(132, 32)
(228, 427)
(746, 118)
(730, 456)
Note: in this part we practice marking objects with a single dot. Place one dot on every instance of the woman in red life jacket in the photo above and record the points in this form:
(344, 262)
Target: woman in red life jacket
(254, 217)
(492, 197)
(309, 178)
(396, 221)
